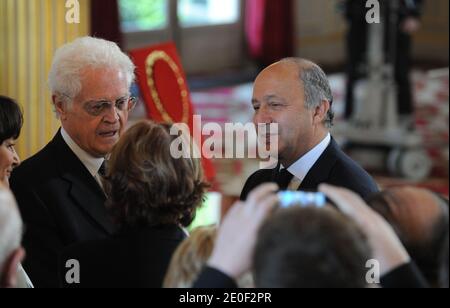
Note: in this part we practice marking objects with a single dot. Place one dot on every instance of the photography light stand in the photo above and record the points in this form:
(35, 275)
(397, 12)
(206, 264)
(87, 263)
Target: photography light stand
(374, 134)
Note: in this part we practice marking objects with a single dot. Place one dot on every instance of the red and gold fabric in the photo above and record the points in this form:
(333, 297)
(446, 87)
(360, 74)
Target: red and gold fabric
(163, 86)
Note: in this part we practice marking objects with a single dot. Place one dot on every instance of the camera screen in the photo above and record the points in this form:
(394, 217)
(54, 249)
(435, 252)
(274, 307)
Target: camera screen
(301, 198)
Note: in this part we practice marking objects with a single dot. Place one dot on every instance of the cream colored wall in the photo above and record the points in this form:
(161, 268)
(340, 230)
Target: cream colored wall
(431, 42)
(30, 32)
(320, 32)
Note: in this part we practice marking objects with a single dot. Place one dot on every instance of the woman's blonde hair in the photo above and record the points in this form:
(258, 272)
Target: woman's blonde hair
(190, 257)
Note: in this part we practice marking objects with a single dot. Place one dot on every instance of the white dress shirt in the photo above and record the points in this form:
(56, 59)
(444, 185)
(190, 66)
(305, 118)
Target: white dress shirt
(23, 281)
(91, 163)
(302, 166)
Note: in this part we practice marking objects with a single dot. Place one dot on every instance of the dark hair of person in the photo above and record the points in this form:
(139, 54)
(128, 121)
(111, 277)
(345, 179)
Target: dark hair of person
(310, 248)
(146, 186)
(11, 119)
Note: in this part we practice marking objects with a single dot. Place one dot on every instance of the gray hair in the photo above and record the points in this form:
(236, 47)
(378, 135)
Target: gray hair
(316, 86)
(11, 226)
(72, 58)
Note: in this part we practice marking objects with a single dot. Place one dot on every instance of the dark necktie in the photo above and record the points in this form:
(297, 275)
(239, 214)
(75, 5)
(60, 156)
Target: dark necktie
(283, 178)
(102, 170)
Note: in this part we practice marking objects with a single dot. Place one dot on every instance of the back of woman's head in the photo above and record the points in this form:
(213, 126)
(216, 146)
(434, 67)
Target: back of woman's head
(190, 257)
(146, 186)
(11, 119)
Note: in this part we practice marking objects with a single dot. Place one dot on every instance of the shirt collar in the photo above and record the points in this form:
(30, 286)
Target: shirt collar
(91, 163)
(302, 166)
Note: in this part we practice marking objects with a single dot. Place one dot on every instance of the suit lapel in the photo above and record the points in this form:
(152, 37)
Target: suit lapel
(320, 171)
(84, 190)
(92, 202)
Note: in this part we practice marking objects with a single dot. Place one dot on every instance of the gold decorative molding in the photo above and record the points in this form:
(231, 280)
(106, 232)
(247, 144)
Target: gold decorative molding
(151, 60)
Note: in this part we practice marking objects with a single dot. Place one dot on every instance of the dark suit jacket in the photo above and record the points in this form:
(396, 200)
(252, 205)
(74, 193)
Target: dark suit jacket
(135, 259)
(333, 167)
(406, 276)
(211, 278)
(61, 204)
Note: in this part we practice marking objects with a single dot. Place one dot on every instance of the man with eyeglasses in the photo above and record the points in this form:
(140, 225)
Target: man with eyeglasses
(59, 190)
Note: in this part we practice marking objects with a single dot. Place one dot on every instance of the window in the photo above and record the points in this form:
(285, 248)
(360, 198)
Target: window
(143, 15)
(207, 12)
(147, 15)
(206, 26)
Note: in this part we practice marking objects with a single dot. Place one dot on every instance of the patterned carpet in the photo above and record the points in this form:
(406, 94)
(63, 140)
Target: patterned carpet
(431, 92)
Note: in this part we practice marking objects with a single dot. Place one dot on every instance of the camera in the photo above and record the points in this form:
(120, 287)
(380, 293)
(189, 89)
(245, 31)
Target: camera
(301, 198)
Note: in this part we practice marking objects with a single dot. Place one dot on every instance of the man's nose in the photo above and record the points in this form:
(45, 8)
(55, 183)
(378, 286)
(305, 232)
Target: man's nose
(111, 115)
(262, 117)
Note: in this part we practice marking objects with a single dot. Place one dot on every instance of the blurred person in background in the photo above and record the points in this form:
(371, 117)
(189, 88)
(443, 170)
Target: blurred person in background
(237, 237)
(11, 121)
(190, 258)
(310, 248)
(408, 23)
(420, 218)
(11, 252)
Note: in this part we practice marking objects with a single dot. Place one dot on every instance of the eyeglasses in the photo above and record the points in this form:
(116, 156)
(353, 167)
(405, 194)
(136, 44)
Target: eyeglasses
(97, 108)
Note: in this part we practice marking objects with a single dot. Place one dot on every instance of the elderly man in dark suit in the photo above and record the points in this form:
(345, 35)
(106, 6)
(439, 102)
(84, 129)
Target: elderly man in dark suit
(59, 190)
(295, 94)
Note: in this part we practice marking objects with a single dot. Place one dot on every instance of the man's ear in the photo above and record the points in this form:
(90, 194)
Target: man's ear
(320, 112)
(60, 107)
(8, 274)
